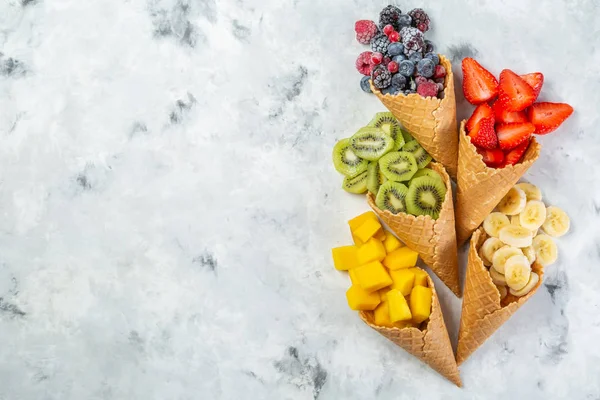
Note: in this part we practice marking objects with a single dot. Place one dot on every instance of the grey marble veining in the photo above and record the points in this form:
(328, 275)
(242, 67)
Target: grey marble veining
(168, 204)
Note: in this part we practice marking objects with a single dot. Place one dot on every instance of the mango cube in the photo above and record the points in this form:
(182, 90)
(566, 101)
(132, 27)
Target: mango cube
(367, 229)
(373, 276)
(359, 299)
(345, 257)
(420, 277)
(383, 294)
(399, 258)
(403, 280)
(372, 250)
(356, 222)
(380, 234)
(391, 243)
(353, 277)
(406, 324)
(399, 310)
(420, 303)
(357, 241)
(382, 315)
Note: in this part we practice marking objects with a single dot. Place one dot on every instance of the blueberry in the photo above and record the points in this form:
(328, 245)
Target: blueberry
(416, 57)
(390, 90)
(407, 68)
(426, 67)
(429, 46)
(395, 49)
(434, 57)
(404, 20)
(364, 84)
(399, 58)
(399, 81)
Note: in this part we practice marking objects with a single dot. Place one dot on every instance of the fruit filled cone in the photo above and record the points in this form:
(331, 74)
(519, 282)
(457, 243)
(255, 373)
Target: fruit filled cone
(430, 120)
(431, 345)
(483, 312)
(479, 187)
(434, 240)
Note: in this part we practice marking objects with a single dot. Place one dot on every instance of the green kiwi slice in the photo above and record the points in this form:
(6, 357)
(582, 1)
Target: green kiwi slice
(398, 166)
(425, 196)
(389, 125)
(407, 136)
(371, 143)
(373, 177)
(346, 161)
(423, 158)
(427, 172)
(391, 197)
(355, 184)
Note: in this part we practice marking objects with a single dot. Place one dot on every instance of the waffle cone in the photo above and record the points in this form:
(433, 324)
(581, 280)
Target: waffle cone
(480, 188)
(434, 240)
(430, 120)
(482, 311)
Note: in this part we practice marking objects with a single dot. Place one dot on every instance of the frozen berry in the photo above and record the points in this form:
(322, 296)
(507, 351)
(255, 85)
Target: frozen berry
(434, 57)
(404, 20)
(413, 41)
(365, 84)
(406, 68)
(420, 79)
(376, 58)
(440, 86)
(389, 16)
(395, 49)
(439, 80)
(420, 19)
(363, 63)
(415, 57)
(386, 60)
(390, 90)
(427, 89)
(399, 81)
(365, 31)
(439, 72)
(399, 58)
(394, 37)
(380, 43)
(392, 67)
(425, 67)
(429, 47)
(382, 78)
(388, 29)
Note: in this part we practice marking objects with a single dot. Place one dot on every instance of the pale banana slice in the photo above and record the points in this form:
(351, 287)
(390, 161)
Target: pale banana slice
(502, 255)
(516, 236)
(497, 277)
(533, 280)
(533, 216)
(557, 222)
(484, 259)
(517, 272)
(489, 247)
(545, 249)
(516, 220)
(531, 191)
(513, 203)
(529, 252)
(502, 290)
(494, 222)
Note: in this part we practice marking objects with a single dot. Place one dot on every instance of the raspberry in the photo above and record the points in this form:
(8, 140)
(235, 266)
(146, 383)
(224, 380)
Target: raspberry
(392, 67)
(394, 37)
(365, 31)
(413, 41)
(381, 77)
(439, 72)
(388, 29)
(427, 89)
(376, 58)
(363, 63)
(420, 19)
(380, 43)
(389, 16)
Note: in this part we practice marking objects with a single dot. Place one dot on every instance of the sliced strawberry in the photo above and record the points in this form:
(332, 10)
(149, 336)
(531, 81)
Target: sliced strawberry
(492, 158)
(548, 116)
(507, 117)
(479, 85)
(514, 94)
(515, 155)
(483, 134)
(535, 80)
(482, 111)
(512, 135)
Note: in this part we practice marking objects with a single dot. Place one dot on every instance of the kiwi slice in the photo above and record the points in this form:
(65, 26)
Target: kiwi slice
(423, 158)
(355, 184)
(425, 196)
(398, 166)
(391, 197)
(346, 161)
(389, 125)
(427, 172)
(373, 177)
(371, 143)
(407, 136)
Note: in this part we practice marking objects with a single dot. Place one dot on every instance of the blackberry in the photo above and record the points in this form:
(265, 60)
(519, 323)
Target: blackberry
(420, 19)
(380, 44)
(412, 39)
(382, 78)
(389, 16)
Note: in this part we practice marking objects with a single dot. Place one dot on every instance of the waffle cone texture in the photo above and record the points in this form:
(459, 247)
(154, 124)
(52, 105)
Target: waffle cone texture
(480, 188)
(434, 240)
(431, 345)
(431, 121)
(482, 311)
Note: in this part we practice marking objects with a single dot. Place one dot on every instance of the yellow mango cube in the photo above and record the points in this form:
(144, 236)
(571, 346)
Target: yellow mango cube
(372, 250)
(382, 315)
(420, 277)
(380, 234)
(356, 222)
(420, 303)
(383, 294)
(357, 241)
(405, 324)
(399, 310)
(353, 277)
(359, 299)
(367, 229)
(373, 276)
(403, 280)
(391, 243)
(345, 257)
(399, 258)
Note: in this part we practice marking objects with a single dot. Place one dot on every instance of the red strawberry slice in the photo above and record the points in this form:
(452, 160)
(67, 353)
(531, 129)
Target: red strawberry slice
(479, 85)
(514, 94)
(507, 117)
(515, 155)
(483, 134)
(548, 116)
(492, 158)
(535, 80)
(482, 111)
(512, 135)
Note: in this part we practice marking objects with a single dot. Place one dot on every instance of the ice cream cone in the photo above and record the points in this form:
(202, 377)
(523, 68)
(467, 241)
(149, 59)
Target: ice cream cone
(430, 120)
(480, 188)
(431, 345)
(482, 311)
(434, 240)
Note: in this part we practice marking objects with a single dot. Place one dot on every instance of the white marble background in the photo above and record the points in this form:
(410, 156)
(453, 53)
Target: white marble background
(168, 204)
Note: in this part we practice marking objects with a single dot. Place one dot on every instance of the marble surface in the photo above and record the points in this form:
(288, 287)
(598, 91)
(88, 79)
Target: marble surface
(168, 204)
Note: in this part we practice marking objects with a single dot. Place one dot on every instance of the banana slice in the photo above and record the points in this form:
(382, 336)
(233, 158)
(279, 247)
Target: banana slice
(502, 290)
(533, 216)
(516, 236)
(488, 249)
(484, 259)
(494, 222)
(533, 280)
(502, 255)
(529, 252)
(517, 272)
(531, 191)
(513, 203)
(557, 222)
(516, 220)
(545, 249)
(497, 277)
